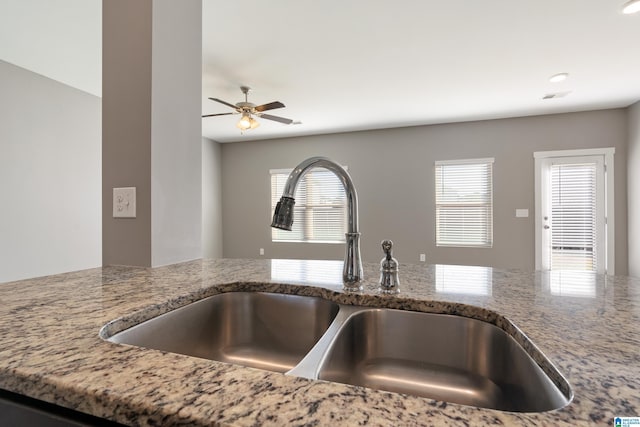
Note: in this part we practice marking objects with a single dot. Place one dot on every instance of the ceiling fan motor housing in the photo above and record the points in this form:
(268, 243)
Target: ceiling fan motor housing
(245, 105)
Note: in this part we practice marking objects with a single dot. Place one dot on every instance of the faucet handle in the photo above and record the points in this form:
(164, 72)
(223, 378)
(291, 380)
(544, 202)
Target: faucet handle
(389, 280)
(387, 247)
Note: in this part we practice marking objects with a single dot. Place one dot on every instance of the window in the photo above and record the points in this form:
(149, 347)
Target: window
(320, 212)
(464, 203)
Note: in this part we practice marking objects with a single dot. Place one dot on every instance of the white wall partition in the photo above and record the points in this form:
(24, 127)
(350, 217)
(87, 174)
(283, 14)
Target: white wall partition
(49, 176)
(633, 181)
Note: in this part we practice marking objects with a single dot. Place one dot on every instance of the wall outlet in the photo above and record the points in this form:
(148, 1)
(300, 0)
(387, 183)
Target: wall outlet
(124, 202)
(522, 213)
(423, 257)
(261, 251)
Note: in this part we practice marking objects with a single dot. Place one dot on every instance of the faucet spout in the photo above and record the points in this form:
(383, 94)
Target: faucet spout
(352, 274)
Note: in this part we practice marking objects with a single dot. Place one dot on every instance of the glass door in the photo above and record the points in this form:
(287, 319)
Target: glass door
(573, 214)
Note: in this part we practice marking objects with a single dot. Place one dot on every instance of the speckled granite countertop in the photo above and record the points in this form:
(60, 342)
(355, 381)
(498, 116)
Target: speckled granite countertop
(587, 325)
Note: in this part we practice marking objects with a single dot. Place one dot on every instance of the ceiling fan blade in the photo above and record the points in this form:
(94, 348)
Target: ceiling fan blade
(276, 119)
(270, 106)
(224, 102)
(219, 114)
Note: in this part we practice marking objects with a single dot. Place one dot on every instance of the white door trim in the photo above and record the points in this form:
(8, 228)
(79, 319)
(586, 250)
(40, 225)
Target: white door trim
(607, 153)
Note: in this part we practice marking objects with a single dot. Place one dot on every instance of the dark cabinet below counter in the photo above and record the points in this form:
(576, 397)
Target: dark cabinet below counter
(21, 411)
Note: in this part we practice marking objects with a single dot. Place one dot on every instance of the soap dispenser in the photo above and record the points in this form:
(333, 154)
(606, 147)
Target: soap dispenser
(389, 280)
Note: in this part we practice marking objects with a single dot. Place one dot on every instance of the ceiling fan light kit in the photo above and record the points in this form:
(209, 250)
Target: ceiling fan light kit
(247, 122)
(248, 110)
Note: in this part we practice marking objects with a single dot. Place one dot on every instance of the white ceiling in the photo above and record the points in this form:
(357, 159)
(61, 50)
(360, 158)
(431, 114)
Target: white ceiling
(362, 64)
(59, 39)
(341, 65)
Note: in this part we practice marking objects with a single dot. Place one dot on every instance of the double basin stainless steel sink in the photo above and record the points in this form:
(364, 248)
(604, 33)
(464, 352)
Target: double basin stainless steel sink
(443, 357)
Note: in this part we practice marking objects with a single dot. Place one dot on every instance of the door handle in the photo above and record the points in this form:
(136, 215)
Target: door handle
(546, 227)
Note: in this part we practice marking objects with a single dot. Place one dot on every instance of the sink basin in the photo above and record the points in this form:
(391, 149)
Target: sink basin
(444, 357)
(260, 330)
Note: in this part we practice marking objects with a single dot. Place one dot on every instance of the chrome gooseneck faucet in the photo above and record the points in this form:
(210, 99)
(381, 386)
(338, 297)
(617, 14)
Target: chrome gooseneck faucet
(283, 215)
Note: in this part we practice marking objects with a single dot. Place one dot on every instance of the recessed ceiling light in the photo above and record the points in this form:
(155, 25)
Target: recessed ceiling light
(556, 78)
(630, 7)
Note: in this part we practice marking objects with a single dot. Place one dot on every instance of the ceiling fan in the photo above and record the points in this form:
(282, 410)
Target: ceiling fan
(248, 110)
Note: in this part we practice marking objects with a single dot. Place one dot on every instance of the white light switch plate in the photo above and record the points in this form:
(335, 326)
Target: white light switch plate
(522, 213)
(124, 202)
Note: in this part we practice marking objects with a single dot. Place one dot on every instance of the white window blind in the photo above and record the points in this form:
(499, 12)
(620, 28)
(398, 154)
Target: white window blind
(464, 202)
(320, 212)
(573, 216)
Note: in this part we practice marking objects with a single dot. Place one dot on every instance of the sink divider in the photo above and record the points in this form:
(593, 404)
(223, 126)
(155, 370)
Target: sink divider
(309, 366)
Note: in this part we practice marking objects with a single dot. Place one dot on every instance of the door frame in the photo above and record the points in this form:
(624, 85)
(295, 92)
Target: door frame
(607, 154)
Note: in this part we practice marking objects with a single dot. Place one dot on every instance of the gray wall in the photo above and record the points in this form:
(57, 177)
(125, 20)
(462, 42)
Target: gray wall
(151, 135)
(211, 197)
(633, 182)
(126, 129)
(393, 172)
(49, 176)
